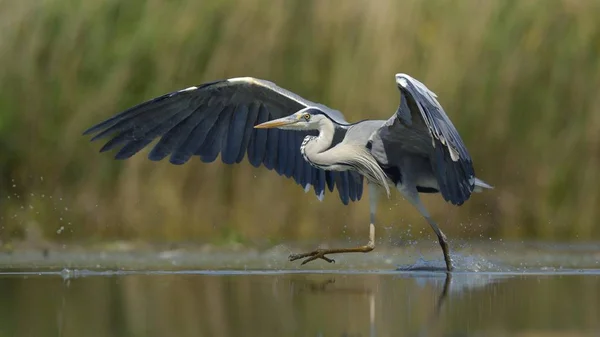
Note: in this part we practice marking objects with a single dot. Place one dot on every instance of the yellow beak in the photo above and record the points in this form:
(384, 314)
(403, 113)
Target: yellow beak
(276, 123)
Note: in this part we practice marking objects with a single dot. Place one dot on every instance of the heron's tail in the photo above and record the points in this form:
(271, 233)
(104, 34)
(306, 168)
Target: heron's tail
(480, 185)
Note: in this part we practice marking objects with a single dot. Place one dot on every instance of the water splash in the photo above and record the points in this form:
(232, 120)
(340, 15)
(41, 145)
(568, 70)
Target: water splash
(470, 263)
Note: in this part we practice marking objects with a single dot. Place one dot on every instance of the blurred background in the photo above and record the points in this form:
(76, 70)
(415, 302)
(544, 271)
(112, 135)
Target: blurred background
(519, 79)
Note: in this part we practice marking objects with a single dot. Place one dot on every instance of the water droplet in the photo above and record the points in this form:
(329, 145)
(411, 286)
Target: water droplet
(61, 229)
(66, 274)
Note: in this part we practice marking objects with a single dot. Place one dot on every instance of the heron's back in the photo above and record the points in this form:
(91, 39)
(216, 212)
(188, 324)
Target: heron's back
(360, 133)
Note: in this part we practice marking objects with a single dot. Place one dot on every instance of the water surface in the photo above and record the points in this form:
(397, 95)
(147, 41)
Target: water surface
(532, 291)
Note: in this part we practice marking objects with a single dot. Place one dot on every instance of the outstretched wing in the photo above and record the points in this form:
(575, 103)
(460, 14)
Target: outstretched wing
(450, 159)
(219, 118)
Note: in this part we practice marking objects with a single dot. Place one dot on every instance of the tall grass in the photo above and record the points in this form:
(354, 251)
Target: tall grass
(519, 79)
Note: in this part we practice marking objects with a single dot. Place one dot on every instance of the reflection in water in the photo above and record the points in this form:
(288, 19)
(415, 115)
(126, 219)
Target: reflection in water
(402, 304)
(327, 287)
(464, 281)
(433, 322)
(60, 313)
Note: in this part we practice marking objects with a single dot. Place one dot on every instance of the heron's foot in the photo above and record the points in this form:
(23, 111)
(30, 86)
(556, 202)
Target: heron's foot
(320, 253)
(311, 256)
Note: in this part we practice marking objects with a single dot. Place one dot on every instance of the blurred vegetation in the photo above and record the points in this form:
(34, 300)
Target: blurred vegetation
(520, 80)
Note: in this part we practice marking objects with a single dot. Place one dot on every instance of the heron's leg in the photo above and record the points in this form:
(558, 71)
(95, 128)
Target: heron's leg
(320, 253)
(412, 195)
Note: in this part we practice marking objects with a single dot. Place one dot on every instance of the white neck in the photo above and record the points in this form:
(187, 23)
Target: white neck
(315, 148)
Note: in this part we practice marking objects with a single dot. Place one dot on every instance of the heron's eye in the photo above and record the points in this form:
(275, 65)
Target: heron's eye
(306, 117)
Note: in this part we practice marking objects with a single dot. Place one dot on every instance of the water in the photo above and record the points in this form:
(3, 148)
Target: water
(498, 290)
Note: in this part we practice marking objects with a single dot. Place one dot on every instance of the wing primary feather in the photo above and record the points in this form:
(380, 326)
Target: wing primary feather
(351, 185)
(293, 148)
(152, 105)
(177, 131)
(258, 141)
(319, 177)
(270, 160)
(329, 179)
(221, 138)
(299, 171)
(181, 150)
(151, 129)
(341, 181)
(139, 125)
(282, 152)
(208, 118)
(116, 141)
(315, 182)
(311, 174)
(146, 116)
(139, 142)
(290, 167)
(210, 148)
(235, 135)
(403, 110)
(162, 129)
(250, 122)
(361, 186)
(356, 181)
(132, 148)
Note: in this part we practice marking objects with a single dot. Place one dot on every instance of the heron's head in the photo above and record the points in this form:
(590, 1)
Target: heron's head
(305, 119)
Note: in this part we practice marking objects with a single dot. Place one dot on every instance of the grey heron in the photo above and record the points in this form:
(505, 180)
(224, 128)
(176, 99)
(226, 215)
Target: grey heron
(417, 150)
